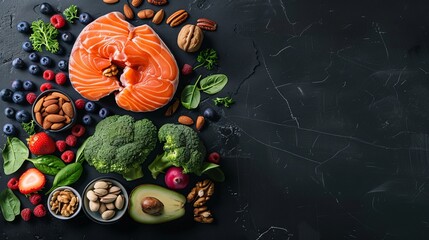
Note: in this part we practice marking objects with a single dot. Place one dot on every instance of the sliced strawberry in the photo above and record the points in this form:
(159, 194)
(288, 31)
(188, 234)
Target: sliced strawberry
(31, 181)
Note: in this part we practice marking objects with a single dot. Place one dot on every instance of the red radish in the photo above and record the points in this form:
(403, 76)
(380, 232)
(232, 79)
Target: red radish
(176, 179)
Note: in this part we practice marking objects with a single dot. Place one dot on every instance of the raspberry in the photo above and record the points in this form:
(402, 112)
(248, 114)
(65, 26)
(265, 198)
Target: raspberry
(58, 21)
(26, 214)
(187, 69)
(67, 156)
(78, 130)
(61, 145)
(60, 78)
(12, 184)
(39, 211)
(79, 103)
(71, 140)
(214, 157)
(35, 199)
(31, 97)
(45, 86)
(48, 75)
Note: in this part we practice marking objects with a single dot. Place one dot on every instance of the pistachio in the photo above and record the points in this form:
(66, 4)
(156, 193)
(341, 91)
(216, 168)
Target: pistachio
(108, 198)
(100, 192)
(119, 202)
(101, 184)
(115, 190)
(94, 206)
(102, 208)
(91, 196)
(108, 214)
(110, 206)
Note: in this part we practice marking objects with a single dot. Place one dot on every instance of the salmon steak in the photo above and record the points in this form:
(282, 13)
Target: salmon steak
(112, 56)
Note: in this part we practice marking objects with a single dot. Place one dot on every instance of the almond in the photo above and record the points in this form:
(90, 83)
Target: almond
(172, 108)
(159, 16)
(110, 1)
(200, 123)
(145, 13)
(128, 12)
(185, 120)
(55, 118)
(136, 3)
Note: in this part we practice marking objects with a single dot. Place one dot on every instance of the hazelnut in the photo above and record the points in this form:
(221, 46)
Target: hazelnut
(152, 206)
(190, 38)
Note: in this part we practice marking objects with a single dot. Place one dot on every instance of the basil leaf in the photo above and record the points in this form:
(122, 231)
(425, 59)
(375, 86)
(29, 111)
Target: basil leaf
(67, 175)
(48, 164)
(9, 205)
(190, 97)
(14, 154)
(213, 83)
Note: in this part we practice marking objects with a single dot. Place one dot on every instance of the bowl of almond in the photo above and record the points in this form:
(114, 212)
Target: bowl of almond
(64, 203)
(54, 111)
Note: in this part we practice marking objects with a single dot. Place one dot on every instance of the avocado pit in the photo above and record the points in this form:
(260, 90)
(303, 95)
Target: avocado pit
(152, 206)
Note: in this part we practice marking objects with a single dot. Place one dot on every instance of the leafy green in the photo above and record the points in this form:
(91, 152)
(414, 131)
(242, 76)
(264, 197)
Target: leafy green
(48, 164)
(67, 175)
(44, 34)
(207, 58)
(225, 101)
(29, 127)
(9, 205)
(191, 96)
(14, 154)
(71, 13)
(213, 83)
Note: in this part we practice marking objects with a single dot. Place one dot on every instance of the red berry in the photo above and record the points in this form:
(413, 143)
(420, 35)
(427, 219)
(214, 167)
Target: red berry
(71, 140)
(78, 130)
(61, 145)
(39, 211)
(41, 144)
(45, 86)
(61, 78)
(187, 69)
(67, 156)
(26, 214)
(48, 75)
(58, 21)
(35, 198)
(79, 103)
(31, 97)
(214, 157)
(12, 184)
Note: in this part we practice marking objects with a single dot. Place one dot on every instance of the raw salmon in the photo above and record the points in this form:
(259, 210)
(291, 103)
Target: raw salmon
(148, 75)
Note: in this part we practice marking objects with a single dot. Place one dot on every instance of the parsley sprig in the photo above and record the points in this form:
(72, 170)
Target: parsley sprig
(44, 34)
(225, 101)
(207, 58)
(71, 13)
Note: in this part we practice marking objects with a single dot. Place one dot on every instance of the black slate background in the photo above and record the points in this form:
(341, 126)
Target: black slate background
(328, 138)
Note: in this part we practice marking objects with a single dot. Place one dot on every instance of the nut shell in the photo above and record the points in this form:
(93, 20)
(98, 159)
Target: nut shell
(190, 38)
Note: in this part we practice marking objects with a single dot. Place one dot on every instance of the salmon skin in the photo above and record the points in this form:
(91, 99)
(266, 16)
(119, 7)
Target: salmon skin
(149, 75)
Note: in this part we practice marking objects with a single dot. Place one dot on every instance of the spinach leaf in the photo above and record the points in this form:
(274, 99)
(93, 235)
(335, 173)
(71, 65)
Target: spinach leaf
(213, 171)
(48, 164)
(191, 96)
(79, 153)
(214, 83)
(14, 154)
(9, 205)
(67, 175)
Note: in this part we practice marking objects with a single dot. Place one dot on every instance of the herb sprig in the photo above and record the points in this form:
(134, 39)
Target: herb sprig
(207, 58)
(44, 34)
(71, 13)
(225, 101)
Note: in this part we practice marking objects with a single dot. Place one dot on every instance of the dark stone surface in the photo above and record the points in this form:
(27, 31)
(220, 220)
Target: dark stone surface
(328, 138)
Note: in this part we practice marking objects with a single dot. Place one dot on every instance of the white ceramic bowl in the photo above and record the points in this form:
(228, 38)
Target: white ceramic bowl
(76, 212)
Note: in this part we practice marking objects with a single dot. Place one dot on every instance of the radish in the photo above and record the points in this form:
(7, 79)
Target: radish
(176, 179)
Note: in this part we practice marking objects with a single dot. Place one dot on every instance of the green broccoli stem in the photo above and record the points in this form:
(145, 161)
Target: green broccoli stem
(158, 165)
(133, 174)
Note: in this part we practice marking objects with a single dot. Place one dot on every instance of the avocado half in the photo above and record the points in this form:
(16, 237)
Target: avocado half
(174, 204)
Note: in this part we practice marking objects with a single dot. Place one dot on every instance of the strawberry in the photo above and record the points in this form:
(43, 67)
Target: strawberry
(31, 181)
(41, 144)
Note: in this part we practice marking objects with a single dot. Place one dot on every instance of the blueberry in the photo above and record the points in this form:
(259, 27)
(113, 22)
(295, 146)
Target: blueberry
(46, 61)
(9, 112)
(104, 112)
(18, 63)
(90, 107)
(34, 69)
(23, 27)
(85, 18)
(210, 114)
(87, 119)
(46, 8)
(6, 95)
(61, 51)
(27, 46)
(28, 85)
(9, 129)
(23, 116)
(63, 65)
(17, 85)
(33, 57)
(18, 97)
(67, 37)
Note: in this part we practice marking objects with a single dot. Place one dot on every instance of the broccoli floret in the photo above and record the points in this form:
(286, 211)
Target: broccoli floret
(120, 144)
(182, 148)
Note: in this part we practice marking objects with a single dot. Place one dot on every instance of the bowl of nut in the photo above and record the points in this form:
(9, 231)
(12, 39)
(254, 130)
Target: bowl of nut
(105, 200)
(64, 203)
(54, 111)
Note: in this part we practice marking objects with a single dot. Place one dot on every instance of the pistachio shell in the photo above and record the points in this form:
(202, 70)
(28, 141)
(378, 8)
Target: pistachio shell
(101, 184)
(94, 206)
(110, 206)
(119, 202)
(91, 196)
(102, 208)
(100, 192)
(108, 198)
(108, 214)
(115, 190)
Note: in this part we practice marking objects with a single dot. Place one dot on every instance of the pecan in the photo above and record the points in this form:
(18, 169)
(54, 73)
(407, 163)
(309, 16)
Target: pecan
(157, 2)
(177, 18)
(207, 24)
(172, 108)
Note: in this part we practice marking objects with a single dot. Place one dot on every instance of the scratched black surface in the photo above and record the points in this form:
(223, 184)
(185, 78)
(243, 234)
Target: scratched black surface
(328, 138)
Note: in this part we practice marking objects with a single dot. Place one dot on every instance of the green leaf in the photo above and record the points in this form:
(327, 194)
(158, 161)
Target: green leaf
(134, 174)
(213, 83)
(48, 164)
(44, 35)
(71, 13)
(225, 101)
(190, 97)
(9, 204)
(66, 176)
(29, 127)
(79, 153)
(207, 58)
(14, 154)
(213, 171)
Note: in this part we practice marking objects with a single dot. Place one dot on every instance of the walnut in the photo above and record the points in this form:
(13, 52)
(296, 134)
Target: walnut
(199, 196)
(190, 38)
(203, 215)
